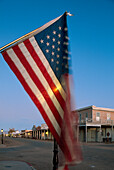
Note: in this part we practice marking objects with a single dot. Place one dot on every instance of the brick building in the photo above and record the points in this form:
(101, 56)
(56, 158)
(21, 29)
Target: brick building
(96, 124)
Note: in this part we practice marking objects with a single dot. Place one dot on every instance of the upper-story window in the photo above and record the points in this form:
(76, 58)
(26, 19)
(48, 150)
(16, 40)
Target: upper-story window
(86, 115)
(98, 116)
(80, 117)
(108, 116)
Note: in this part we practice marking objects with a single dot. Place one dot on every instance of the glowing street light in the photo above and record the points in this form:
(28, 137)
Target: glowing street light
(2, 136)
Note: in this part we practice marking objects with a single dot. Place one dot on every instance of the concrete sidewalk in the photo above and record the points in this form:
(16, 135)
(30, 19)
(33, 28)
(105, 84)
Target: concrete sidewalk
(15, 165)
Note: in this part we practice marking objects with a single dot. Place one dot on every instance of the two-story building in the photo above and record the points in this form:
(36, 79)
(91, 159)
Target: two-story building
(96, 124)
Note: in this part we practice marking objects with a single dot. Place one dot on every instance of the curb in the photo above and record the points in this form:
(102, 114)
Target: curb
(16, 165)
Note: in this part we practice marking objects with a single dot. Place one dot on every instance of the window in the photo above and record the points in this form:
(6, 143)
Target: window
(108, 116)
(98, 116)
(80, 116)
(87, 115)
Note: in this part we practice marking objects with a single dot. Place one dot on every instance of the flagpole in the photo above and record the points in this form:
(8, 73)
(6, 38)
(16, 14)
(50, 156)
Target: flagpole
(15, 41)
(55, 156)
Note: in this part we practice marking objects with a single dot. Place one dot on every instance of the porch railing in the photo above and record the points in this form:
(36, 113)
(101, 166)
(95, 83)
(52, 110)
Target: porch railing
(101, 121)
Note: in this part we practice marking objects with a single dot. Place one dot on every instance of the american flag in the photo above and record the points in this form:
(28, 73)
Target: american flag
(42, 63)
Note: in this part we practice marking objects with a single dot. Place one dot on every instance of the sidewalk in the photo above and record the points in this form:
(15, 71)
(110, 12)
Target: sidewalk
(15, 165)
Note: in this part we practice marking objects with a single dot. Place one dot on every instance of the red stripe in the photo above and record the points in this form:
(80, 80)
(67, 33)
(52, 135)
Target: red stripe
(44, 72)
(31, 94)
(38, 83)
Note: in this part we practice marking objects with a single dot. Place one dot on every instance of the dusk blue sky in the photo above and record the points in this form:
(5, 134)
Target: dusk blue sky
(91, 32)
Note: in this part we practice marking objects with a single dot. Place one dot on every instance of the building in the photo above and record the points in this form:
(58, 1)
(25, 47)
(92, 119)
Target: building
(42, 132)
(26, 133)
(96, 124)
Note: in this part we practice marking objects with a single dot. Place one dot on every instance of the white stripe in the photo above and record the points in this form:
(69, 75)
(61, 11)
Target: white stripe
(41, 78)
(47, 66)
(34, 89)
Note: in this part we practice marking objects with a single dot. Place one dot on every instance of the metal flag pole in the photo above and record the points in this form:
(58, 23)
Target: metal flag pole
(15, 41)
(55, 156)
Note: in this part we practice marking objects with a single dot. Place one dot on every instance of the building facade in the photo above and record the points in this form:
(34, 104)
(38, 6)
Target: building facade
(42, 132)
(96, 124)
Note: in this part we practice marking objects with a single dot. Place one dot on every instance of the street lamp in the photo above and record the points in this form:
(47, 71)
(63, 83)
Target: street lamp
(2, 136)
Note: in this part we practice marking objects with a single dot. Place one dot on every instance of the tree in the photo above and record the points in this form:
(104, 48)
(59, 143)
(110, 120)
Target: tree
(11, 130)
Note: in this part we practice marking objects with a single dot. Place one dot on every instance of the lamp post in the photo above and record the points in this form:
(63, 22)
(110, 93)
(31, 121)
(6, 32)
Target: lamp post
(2, 136)
(55, 156)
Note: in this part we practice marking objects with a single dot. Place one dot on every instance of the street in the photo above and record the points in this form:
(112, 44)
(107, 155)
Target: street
(39, 154)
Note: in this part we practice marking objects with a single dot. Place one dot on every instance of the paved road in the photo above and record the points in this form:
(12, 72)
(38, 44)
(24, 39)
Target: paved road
(40, 154)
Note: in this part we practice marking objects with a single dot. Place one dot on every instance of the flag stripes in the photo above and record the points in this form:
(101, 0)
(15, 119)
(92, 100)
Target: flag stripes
(38, 83)
(47, 67)
(41, 62)
(39, 75)
(35, 91)
(28, 72)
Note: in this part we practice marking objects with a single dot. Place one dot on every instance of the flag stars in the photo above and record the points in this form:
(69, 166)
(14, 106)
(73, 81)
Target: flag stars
(58, 42)
(66, 37)
(65, 29)
(53, 46)
(53, 39)
(42, 41)
(47, 44)
(58, 49)
(48, 37)
(52, 60)
(65, 43)
(64, 57)
(54, 32)
(52, 53)
(60, 28)
(59, 35)
(58, 56)
(47, 51)
(66, 51)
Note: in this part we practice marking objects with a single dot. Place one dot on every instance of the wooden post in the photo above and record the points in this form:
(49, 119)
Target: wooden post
(86, 132)
(55, 156)
(100, 133)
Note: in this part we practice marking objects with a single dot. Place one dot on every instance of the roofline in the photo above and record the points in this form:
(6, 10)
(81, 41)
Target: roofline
(84, 108)
(103, 109)
(95, 108)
